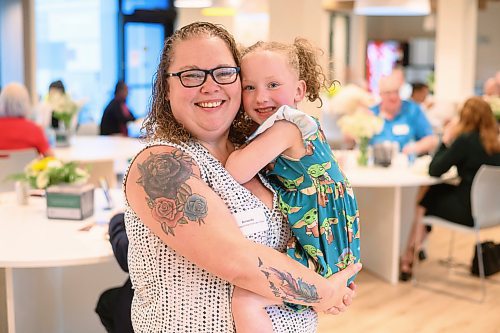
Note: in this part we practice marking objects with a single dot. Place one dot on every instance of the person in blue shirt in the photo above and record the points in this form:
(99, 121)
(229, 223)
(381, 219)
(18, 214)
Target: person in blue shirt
(404, 121)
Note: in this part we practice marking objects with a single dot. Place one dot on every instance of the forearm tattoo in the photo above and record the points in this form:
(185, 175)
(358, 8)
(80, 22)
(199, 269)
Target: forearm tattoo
(286, 287)
(163, 177)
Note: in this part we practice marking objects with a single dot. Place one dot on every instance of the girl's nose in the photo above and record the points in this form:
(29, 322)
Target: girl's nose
(261, 96)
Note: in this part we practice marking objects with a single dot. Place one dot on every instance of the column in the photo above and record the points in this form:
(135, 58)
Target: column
(456, 34)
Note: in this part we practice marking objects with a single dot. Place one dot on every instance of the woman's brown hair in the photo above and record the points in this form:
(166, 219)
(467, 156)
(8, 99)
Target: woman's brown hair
(476, 115)
(160, 122)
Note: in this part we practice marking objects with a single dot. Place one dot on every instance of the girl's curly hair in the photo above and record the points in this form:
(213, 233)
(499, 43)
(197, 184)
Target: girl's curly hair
(303, 59)
(160, 122)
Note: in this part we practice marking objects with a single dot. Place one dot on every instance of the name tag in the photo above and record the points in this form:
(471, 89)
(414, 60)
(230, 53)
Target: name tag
(251, 221)
(401, 129)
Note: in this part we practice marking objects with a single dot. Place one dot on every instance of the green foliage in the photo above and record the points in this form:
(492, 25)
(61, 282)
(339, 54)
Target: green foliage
(41, 173)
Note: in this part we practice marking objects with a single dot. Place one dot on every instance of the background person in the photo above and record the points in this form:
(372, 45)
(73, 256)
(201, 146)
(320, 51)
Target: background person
(315, 197)
(56, 87)
(419, 93)
(16, 131)
(187, 217)
(114, 304)
(491, 88)
(116, 115)
(468, 144)
(404, 121)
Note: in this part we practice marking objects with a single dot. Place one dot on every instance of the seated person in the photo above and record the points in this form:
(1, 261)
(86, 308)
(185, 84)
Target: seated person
(404, 121)
(419, 94)
(468, 144)
(491, 87)
(16, 131)
(54, 88)
(114, 304)
(117, 114)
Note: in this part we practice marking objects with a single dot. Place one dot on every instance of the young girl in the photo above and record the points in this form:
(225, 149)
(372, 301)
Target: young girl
(314, 195)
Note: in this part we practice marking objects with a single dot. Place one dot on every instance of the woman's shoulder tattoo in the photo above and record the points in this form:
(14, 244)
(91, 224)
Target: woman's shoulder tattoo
(163, 177)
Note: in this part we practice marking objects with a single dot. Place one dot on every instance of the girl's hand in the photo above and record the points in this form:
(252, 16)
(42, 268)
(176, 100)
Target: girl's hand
(342, 295)
(346, 300)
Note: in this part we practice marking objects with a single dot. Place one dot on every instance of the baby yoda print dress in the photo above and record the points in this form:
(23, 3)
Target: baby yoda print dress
(316, 199)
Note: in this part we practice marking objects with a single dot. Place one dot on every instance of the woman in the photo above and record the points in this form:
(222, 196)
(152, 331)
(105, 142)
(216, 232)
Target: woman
(17, 132)
(468, 144)
(187, 217)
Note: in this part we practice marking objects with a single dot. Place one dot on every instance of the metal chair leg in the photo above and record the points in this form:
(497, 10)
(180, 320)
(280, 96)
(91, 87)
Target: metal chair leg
(480, 263)
(449, 262)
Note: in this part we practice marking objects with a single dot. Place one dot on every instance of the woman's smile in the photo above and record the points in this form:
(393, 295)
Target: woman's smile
(210, 104)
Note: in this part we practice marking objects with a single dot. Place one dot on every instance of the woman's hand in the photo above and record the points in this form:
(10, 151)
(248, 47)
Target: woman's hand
(450, 132)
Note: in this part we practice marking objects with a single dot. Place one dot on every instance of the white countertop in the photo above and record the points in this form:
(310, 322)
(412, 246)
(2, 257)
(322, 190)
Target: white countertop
(29, 239)
(398, 174)
(98, 148)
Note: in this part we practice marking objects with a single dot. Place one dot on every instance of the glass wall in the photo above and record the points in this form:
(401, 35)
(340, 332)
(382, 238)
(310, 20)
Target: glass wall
(76, 43)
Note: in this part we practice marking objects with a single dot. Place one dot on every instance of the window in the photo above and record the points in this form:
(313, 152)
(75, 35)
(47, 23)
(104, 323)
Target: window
(76, 43)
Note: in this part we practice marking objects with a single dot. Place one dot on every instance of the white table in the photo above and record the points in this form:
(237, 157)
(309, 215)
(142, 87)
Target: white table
(386, 199)
(54, 273)
(106, 156)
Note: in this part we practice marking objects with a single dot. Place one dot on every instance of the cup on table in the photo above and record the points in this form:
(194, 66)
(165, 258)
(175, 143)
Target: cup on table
(383, 153)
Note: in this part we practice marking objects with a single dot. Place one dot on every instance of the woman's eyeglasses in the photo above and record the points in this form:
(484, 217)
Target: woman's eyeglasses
(196, 77)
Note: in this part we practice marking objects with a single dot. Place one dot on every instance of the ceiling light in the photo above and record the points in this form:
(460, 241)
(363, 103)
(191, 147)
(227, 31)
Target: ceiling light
(192, 3)
(218, 11)
(392, 7)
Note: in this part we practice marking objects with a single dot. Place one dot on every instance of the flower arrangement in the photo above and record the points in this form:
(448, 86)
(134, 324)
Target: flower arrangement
(44, 172)
(347, 99)
(361, 125)
(64, 108)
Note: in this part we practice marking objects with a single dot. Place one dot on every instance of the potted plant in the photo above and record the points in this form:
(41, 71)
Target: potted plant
(68, 194)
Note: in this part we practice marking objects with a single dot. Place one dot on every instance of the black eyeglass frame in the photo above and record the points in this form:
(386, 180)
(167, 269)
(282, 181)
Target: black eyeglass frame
(206, 71)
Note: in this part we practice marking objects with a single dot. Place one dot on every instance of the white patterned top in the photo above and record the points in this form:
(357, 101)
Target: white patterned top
(174, 295)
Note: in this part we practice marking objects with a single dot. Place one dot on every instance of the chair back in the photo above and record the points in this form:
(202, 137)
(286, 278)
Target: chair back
(90, 128)
(485, 199)
(11, 162)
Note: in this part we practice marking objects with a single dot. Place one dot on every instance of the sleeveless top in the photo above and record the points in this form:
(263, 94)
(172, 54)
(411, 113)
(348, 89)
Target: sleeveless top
(316, 198)
(171, 294)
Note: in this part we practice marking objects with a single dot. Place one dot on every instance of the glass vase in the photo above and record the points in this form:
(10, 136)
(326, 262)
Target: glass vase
(363, 151)
(63, 135)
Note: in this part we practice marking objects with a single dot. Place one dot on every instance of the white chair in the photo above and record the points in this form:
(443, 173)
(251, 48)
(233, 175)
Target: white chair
(485, 204)
(12, 162)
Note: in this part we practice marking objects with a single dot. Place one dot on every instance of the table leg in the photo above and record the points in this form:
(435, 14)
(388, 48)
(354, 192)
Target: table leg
(7, 319)
(380, 220)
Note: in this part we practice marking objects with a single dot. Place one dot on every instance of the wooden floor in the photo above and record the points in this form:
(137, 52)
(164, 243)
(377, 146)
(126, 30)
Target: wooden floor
(405, 308)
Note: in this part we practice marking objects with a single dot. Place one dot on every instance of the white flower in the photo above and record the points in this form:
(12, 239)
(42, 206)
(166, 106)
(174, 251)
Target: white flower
(80, 173)
(362, 123)
(348, 99)
(53, 164)
(42, 179)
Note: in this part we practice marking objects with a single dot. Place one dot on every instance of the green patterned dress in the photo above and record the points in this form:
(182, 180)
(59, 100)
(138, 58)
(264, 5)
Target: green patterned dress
(316, 199)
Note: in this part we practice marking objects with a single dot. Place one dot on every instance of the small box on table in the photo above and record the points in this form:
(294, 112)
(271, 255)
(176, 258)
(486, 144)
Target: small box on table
(70, 202)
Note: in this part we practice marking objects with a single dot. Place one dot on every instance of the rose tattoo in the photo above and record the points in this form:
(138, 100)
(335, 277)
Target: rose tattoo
(163, 177)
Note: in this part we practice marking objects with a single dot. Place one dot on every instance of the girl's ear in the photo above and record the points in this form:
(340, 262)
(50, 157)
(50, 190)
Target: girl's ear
(300, 93)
